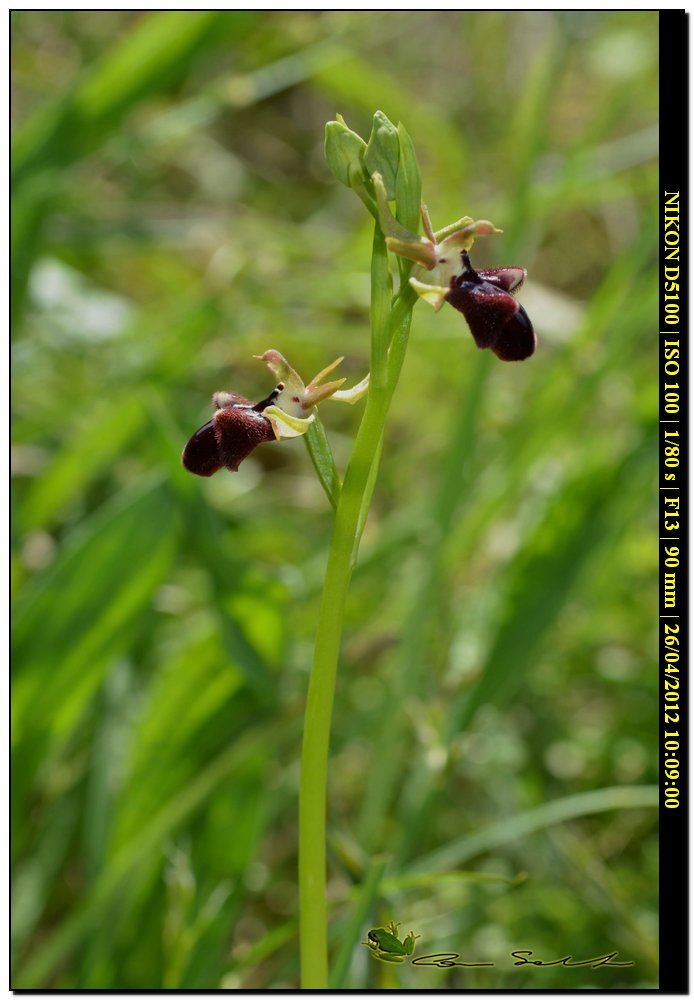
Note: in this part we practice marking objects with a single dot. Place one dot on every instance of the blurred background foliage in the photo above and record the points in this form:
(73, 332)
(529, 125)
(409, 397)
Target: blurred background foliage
(494, 733)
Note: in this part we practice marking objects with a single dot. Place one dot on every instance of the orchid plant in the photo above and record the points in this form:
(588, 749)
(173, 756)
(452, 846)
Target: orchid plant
(435, 267)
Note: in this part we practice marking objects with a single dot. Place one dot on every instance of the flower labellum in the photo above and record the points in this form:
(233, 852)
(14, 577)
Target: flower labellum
(495, 318)
(236, 429)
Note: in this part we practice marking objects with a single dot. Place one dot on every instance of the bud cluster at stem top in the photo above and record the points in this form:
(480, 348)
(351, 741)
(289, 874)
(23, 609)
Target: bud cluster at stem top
(389, 153)
(436, 265)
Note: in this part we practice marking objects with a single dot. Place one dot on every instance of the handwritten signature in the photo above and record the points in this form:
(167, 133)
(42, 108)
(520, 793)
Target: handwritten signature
(449, 959)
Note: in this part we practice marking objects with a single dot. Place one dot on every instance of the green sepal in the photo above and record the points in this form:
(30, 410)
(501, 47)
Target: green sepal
(462, 238)
(484, 228)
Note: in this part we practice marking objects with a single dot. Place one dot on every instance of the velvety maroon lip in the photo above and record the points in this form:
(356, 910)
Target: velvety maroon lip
(496, 320)
(230, 436)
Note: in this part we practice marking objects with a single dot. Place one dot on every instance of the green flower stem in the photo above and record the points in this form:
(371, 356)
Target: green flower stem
(314, 759)
(381, 296)
(389, 327)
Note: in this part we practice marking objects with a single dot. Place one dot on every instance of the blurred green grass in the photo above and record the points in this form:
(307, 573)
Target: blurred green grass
(172, 217)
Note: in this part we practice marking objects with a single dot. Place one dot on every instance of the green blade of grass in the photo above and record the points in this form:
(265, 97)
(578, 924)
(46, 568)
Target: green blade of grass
(544, 575)
(99, 437)
(102, 583)
(152, 56)
(37, 970)
(512, 828)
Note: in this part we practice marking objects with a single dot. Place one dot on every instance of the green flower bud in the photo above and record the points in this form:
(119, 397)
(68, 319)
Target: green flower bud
(344, 152)
(382, 154)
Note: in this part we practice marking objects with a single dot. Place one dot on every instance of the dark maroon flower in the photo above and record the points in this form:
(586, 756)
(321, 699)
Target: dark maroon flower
(443, 273)
(495, 318)
(239, 425)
